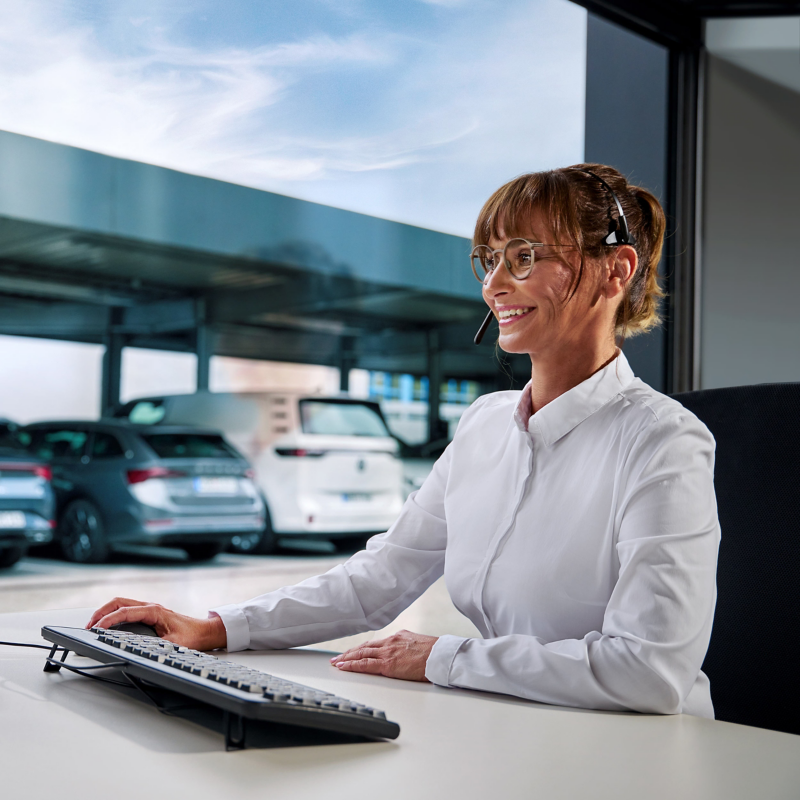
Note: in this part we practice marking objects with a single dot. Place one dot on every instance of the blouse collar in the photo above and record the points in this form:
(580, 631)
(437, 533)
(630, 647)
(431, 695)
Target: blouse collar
(568, 410)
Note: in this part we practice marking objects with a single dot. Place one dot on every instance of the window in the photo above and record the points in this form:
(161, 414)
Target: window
(189, 445)
(106, 445)
(156, 372)
(144, 412)
(59, 444)
(341, 419)
(12, 438)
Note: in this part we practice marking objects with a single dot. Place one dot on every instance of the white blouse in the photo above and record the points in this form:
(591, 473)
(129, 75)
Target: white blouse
(581, 541)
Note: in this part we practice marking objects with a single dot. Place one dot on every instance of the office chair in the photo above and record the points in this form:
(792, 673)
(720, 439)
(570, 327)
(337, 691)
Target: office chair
(753, 661)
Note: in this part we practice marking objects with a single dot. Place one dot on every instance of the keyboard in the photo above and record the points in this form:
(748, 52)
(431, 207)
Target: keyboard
(239, 691)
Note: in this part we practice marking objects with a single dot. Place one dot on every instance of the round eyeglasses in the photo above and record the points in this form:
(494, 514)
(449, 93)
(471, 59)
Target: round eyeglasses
(517, 255)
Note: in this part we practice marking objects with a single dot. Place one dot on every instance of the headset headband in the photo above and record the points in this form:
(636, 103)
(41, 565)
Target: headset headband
(618, 232)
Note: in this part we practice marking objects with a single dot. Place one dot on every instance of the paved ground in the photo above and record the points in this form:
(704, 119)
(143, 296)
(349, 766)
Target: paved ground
(165, 577)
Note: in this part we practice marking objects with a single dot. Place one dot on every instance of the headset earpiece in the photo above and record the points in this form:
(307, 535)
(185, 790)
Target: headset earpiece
(618, 231)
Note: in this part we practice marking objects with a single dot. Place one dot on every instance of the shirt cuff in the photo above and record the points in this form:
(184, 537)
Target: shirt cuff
(237, 628)
(440, 660)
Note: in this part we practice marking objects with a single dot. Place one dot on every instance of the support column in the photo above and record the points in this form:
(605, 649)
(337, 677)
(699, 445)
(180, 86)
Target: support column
(204, 347)
(111, 378)
(436, 427)
(682, 242)
(346, 362)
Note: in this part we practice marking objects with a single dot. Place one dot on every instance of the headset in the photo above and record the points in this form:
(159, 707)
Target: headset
(618, 234)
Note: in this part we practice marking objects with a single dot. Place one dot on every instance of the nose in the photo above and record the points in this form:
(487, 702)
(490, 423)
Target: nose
(497, 282)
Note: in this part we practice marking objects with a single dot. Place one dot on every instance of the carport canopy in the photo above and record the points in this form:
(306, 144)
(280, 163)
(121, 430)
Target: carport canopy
(105, 250)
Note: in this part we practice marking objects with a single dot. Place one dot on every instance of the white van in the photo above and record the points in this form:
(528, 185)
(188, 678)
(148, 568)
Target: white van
(327, 466)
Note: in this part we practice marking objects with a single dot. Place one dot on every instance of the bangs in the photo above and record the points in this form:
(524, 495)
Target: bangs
(508, 213)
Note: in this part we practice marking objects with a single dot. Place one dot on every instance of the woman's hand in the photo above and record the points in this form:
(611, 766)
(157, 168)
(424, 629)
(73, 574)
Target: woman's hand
(198, 634)
(402, 656)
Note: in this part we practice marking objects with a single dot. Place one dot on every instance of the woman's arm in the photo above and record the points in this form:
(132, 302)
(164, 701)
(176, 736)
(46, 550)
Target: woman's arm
(657, 623)
(365, 593)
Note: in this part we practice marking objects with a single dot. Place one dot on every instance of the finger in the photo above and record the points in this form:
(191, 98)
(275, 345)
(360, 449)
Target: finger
(371, 665)
(112, 605)
(148, 614)
(362, 651)
(372, 644)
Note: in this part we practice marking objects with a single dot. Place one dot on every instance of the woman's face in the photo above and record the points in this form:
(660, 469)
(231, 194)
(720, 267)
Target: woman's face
(533, 314)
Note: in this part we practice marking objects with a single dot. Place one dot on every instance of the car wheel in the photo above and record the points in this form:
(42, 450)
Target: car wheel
(10, 555)
(82, 534)
(204, 551)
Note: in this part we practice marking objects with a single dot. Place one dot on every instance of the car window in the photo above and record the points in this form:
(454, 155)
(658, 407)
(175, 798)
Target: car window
(12, 438)
(58, 444)
(106, 445)
(341, 419)
(189, 445)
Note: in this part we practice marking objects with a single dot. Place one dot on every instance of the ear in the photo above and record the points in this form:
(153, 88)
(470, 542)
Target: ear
(620, 268)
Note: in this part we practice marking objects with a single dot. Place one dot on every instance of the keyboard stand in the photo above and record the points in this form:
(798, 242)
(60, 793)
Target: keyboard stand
(233, 726)
(49, 666)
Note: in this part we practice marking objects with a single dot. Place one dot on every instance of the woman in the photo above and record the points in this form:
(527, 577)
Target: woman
(575, 522)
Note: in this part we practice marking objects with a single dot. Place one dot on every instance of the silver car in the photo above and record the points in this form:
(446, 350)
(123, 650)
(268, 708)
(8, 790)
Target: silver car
(117, 483)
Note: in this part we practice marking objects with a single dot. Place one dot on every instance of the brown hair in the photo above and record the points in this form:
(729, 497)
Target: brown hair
(577, 207)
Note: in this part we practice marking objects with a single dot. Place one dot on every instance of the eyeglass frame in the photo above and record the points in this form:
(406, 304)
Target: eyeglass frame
(502, 252)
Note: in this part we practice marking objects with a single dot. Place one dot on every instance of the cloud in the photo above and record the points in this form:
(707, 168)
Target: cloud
(172, 104)
(443, 3)
(411, 124)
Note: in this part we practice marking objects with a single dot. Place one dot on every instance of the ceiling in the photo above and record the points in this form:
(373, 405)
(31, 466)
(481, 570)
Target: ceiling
(81, 285)
(766, 46)
(678, 23)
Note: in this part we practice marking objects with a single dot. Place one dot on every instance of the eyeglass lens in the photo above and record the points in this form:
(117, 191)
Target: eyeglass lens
(517, 256)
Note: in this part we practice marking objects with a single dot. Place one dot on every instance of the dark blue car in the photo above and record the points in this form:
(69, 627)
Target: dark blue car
(27, 506)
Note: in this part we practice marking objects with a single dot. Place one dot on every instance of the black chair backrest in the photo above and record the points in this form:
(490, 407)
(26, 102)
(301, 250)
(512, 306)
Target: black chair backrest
(753, 661)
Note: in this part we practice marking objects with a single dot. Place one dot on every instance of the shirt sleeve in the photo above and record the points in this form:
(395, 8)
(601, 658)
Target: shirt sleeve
(365, 593)
(657, 624)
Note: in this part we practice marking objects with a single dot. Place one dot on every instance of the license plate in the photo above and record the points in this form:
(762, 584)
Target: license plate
(216, 485)
(12, 519)
(356, 497)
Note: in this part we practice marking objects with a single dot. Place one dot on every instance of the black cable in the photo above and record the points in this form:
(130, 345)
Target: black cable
(131, 684)
(81, 671)
(95, 666)
(23, 644)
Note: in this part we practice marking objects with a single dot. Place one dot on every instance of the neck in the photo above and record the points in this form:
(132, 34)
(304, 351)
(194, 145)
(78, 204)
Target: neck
(553, 374)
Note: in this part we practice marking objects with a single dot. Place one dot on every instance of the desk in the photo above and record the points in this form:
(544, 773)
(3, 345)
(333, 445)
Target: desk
(61, 735)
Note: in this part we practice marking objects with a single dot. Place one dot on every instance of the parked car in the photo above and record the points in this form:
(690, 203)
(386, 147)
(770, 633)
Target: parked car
(327, 466)
(116, 483)
(26, 498)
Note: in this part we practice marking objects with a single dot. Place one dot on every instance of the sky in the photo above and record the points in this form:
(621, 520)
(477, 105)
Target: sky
(412, 110)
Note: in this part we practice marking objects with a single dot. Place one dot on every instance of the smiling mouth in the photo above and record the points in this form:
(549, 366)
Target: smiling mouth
(511, 315)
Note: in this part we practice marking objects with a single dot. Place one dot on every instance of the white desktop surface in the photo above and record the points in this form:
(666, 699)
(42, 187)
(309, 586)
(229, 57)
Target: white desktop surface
(65, 736)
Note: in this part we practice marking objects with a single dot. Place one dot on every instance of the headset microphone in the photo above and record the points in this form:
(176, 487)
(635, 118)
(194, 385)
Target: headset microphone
(484, 327)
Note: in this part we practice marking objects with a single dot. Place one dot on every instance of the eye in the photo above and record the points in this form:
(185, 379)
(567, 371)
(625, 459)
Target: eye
(483, 262)
(519, 257)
